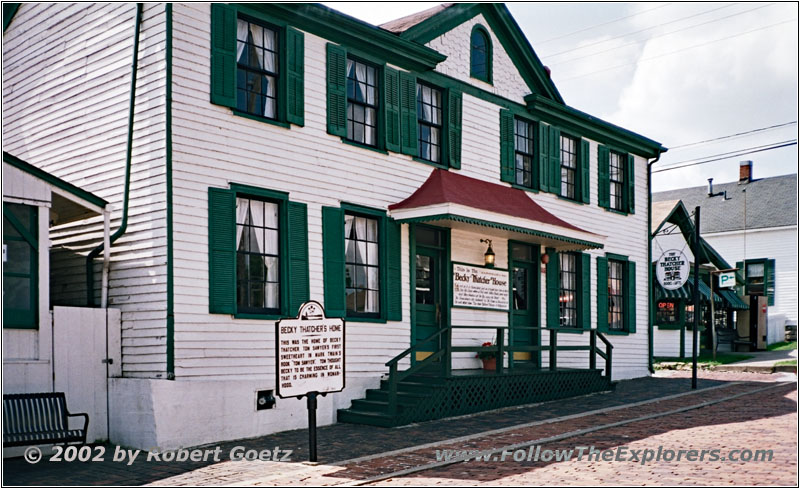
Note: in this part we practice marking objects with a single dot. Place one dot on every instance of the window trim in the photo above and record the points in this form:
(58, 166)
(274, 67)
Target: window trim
(577, 184)
(489, 53)
(533, 155)
(443, 125)
(282, 199)
(383, 261)
(623, 184)
(379, 106)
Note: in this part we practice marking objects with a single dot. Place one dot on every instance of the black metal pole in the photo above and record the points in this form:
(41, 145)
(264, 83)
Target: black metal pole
(311, 402)
(696, 252)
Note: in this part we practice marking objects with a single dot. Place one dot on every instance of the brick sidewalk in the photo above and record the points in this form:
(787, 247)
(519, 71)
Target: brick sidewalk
(342, 441)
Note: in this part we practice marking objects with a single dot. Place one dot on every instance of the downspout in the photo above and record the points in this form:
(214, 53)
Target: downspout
(649, 265)
(124, 224)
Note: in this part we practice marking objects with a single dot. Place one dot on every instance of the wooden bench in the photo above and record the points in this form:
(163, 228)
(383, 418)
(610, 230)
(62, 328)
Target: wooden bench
(38, 419)
(727, 336)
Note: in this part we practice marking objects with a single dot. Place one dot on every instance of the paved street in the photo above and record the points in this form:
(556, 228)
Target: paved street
(730, 411)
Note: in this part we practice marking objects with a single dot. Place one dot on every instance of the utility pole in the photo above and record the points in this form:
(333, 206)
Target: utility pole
(696, 252)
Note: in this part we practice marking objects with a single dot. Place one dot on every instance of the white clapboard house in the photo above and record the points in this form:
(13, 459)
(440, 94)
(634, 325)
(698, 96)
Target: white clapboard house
(423, 179)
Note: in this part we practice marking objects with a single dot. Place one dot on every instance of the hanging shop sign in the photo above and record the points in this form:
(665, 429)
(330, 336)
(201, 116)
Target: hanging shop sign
(481, 288)
(310, 353)
(672, 269)
(727, 280)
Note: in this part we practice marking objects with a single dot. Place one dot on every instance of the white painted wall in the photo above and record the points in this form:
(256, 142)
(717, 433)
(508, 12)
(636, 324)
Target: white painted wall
(779, 244)
(66, 84)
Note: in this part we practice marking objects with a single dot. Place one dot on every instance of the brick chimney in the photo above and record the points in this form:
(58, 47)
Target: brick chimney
(745, 172)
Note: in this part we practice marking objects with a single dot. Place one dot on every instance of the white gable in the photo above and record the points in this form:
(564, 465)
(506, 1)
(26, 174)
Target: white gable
(455, 44)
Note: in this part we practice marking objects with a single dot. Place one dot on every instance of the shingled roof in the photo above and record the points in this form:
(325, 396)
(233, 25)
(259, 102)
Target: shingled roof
(771, 202)
(398, 26)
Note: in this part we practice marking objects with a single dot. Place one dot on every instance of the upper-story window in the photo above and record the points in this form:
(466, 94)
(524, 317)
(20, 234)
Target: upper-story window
(523, 152)
(257, 66)
(362, 102)
(569, 167)
(429, 122)
(617, 181)
(257, 69)
(480, 55)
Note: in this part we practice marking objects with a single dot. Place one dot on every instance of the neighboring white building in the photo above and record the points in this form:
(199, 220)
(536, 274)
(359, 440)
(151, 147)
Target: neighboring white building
(767, 240)
(342, 162)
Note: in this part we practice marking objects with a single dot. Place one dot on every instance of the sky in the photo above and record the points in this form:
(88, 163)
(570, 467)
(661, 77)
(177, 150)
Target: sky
(676, 72)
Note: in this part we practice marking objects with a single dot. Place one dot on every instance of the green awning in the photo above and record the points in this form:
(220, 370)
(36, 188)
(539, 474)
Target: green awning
(732, 300)
(686, 292)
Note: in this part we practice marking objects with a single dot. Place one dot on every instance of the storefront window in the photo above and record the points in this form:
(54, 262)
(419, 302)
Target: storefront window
(667, 312)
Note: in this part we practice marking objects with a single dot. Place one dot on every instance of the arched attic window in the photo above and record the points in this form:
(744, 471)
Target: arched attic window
(480, 54)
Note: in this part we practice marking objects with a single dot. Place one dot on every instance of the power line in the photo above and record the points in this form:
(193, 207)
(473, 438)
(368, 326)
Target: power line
(730, 136)
(660, 35)
(678, 51)
(637, 32)
(539, 43)
(776, 146)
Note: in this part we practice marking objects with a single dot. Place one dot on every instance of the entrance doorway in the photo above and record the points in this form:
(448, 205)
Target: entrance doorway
(429, 288)
(524, 265)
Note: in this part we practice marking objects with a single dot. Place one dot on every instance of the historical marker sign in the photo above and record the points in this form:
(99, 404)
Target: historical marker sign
(310, 353)
(672, 269)
(482, 288)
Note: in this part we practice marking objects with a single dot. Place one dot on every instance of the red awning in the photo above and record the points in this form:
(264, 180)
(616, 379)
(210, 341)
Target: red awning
(447, 195)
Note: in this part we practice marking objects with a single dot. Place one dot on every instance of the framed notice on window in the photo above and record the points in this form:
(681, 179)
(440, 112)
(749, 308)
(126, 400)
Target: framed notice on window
(480, 287)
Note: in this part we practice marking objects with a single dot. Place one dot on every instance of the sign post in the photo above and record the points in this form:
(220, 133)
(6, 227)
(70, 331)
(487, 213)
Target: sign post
(310, 360)
(696, 252)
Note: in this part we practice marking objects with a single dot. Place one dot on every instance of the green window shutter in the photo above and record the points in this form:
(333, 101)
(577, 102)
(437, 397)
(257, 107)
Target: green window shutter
(603, 177)
(295, 77)
(391, 94)
(394, 286)
(584, 171)
(223, 55)
(630, 302)
(333, 260)
(630, 177)
(337, 90)
(544, 157)
(602, 294)
(408, 113)
(221, 251)
(555, 160)
(298, 257)
(769, 281)
(507, 162)
(454, 128)
(552, 289)
(586, 295)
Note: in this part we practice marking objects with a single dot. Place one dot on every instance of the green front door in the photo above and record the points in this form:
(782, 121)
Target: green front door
(524, 303)
(429, 286)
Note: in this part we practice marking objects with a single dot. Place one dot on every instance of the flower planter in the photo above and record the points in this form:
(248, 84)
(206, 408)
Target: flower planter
(489, 363)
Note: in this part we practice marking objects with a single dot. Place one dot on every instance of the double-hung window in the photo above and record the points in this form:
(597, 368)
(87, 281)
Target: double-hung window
(257, 69)
(523, 153)
(429, 122)
(569, 167)
(362, 266)
(257, 256)
(257, 65)
(568, 291)
(616, 295)
(361, 263)
(258, 252)
(362, 102)
(617, 181)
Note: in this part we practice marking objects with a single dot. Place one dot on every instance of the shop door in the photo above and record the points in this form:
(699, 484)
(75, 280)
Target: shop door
(429, 296)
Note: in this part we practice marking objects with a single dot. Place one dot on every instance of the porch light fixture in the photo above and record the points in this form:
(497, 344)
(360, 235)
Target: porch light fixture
(545, 258)
(488, 257)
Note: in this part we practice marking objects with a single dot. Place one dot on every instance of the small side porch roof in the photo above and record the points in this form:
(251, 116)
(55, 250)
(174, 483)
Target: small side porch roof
(68, 202)
(461, 202)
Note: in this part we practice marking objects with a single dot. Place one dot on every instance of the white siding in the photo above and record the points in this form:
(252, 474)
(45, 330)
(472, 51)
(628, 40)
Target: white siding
(66, 84)
(779, 244)
(455, 44)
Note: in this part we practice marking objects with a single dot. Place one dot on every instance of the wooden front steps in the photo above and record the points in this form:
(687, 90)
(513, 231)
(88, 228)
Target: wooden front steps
(424, 397)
